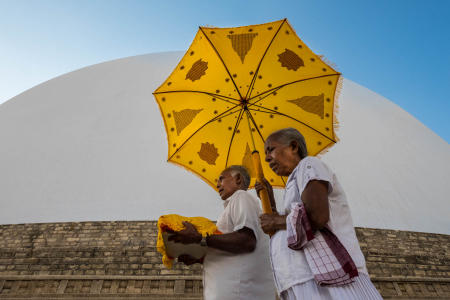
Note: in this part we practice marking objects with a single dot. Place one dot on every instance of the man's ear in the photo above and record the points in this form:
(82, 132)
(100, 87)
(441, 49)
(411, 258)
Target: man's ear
(294, 146)
(238, 179)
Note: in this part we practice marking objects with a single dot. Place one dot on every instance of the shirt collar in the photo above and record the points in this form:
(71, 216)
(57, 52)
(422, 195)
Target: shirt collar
(293, 175)
(227, 201)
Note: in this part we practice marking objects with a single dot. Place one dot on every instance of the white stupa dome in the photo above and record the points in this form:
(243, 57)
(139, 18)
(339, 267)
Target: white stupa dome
(91, 145)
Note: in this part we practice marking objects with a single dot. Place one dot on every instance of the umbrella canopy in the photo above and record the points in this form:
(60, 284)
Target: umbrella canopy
(235, 86)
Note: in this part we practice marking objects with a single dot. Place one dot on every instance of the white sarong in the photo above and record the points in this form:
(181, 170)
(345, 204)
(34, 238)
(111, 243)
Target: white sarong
(361, 289)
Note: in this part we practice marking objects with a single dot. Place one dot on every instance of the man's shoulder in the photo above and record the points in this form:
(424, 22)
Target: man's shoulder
(241, 197)
(242, 194)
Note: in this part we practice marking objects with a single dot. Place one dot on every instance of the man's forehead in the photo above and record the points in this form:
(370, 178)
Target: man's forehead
(225, 173)
(268, 142)
(272, 140)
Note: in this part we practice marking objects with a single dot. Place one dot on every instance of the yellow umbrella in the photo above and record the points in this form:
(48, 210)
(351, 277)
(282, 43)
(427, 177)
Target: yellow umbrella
(235, 86)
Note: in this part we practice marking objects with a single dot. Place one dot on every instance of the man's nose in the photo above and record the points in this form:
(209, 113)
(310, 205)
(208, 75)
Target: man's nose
(268, 158)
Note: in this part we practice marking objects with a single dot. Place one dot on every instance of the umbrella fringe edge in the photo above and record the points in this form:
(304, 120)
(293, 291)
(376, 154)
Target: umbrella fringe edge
(336, 126)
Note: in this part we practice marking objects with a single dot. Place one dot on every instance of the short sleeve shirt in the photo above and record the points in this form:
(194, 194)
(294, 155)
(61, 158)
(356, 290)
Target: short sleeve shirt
(290, 266)
(239, 276)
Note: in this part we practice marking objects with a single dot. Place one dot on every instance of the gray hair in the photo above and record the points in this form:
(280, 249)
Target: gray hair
(288, 135)
(234, 169)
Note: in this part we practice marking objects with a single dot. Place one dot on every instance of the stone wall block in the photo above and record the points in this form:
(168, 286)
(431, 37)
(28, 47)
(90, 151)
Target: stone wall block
(119, 248)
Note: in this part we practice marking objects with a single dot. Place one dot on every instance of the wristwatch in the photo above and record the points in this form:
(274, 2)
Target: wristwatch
(203, 241)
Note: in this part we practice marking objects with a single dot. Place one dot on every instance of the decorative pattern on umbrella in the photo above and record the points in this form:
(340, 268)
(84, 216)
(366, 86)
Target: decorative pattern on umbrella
(208, 153)
(242, 43)
(290, 60)
(184, 118)
(312, 104)
(197, 70)
(234, 87)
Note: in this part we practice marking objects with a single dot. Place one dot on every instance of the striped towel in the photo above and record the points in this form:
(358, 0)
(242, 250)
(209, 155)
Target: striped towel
(328, 259)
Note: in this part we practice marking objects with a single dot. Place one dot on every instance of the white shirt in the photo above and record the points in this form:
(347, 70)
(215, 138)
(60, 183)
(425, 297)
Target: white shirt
(239, 276)
(290, 266)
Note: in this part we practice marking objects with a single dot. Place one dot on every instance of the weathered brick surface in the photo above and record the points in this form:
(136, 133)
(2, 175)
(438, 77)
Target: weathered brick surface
(87, 248)
(392, 253)
(119, 258)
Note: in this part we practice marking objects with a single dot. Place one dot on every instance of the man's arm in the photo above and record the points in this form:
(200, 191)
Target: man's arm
(237, 242)
(189, 260)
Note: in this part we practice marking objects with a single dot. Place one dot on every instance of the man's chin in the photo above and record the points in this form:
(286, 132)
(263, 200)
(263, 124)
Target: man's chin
(275, 169)
(226, 196)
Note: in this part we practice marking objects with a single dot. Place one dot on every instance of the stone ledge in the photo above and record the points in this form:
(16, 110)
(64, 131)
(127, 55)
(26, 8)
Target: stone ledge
(149, 287)
(103, 297)
(98, 277)
(184, 277)
(411, 279)
(178, 287)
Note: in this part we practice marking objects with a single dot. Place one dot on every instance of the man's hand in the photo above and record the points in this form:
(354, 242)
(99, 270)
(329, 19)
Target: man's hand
(271, 223)
(188, 235)
(188, 260)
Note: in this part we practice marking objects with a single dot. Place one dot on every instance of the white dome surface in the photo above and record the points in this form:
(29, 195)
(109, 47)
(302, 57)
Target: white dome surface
(90, 145)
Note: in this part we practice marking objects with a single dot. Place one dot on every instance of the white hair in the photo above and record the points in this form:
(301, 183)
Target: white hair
(288, 135)
(235, 169)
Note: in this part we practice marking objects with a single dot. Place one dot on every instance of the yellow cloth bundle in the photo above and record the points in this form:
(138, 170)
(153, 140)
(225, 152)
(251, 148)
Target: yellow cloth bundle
(175, 222)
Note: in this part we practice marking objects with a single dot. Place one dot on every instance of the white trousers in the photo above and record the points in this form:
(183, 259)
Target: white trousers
(361, 289)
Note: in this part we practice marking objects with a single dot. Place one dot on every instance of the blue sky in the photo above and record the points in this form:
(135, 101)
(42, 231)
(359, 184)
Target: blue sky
(397, 48)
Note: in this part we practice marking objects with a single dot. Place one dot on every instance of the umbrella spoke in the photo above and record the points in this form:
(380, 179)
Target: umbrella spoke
(221, 115)
(220, 97)
(265, 96)
(238, 121)
(249, 115)
(289, 83)
(221, 59)
(249, 91)
(228, 114)
(271, 111)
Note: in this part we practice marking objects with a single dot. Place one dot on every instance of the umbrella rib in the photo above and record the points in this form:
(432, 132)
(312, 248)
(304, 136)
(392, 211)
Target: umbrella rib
(254, 124)
(221, 97)
(221, 59)
(287, 116)
(263, 97)
(234, 132)
(229, 114)
(249, 93)
(266, 112)
(289, 83)
(201, 127)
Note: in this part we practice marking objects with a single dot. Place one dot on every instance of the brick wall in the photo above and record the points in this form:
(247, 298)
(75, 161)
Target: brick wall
(103, 259)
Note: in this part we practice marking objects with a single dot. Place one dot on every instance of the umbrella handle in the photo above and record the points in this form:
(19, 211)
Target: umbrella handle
(264, 196)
